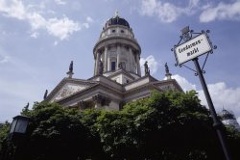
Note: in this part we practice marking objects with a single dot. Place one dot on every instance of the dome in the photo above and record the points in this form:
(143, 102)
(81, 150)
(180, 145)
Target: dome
(226, 115)
(117, 21)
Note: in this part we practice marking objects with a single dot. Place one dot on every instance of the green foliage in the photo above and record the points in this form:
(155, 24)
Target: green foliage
(166, 126)
(4, 129)
(56, 132)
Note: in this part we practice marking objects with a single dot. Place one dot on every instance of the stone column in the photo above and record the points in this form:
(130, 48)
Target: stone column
(138, 64)
(109, 63)
(95, 63)
(118, 56)
(132, 62)
(105, 63)
(96, 69)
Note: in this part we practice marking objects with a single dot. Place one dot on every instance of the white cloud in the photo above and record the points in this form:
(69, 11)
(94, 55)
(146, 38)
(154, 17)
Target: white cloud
(184, 83)
(238, 120)
(152, 63)
(168, 11)
(165, 11)
(60, 2)
(4, 59)
(89, 19)
(193, 3)
(13, 8)
(221, 12)
(34, 35)
(36, 21)
(149, 7)
(87, 23)
(55, 43)
(61, 28)
(222, 95)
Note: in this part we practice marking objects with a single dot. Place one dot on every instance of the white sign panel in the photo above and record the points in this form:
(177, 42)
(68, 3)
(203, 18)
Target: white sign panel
(192, 49)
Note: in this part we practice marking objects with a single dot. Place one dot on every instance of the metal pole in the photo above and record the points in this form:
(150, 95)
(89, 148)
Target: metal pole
(216, 123)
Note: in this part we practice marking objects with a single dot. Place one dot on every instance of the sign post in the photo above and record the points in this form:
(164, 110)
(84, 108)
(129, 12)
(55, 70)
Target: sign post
(191, 49)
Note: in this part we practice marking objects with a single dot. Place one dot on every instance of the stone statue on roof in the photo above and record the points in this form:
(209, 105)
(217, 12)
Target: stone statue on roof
(45, 94)
(71, 67)
(166, 68)
(147, 71)
(70, 72)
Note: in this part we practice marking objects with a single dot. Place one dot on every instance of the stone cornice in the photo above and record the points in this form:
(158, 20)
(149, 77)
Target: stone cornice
(110, 88)
(117, 39)
(148, 86)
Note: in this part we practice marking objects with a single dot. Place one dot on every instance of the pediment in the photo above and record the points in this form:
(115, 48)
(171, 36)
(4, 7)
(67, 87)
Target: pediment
(67, 88)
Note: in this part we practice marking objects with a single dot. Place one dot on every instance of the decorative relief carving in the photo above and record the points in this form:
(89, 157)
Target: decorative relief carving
(67, 90)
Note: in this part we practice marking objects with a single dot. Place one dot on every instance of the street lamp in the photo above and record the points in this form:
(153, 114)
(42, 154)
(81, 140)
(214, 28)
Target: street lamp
(16, 136)
(19, 125)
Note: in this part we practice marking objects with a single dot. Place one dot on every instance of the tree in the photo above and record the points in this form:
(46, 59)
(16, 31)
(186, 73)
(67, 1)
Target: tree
(4, 129)
(165, 126)
(169, 125)
(56, 132)
(233, 137)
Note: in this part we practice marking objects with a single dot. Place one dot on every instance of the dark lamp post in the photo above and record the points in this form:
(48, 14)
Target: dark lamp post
(19, 125)
(13, 144)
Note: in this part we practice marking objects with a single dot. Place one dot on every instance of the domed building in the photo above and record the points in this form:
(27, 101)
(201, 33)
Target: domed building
(117, 75)
(229, 119)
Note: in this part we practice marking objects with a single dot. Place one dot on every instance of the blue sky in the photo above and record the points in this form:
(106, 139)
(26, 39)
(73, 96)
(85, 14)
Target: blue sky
(38, 40)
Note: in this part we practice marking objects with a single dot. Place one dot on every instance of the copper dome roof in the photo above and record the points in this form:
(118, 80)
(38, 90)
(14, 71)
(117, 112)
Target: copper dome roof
(117, 21)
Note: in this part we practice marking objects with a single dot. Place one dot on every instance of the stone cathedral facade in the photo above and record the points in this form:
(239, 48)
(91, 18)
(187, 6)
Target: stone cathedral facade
(117, 77)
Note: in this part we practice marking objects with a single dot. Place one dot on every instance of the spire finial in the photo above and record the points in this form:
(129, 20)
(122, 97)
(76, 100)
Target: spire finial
(116, 13)
(186, 33)
(70, 72)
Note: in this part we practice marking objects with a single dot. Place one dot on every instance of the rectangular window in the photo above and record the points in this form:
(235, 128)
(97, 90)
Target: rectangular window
(113, 66)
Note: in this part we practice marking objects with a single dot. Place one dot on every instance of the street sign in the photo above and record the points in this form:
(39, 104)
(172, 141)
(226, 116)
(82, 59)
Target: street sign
(193, 48)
